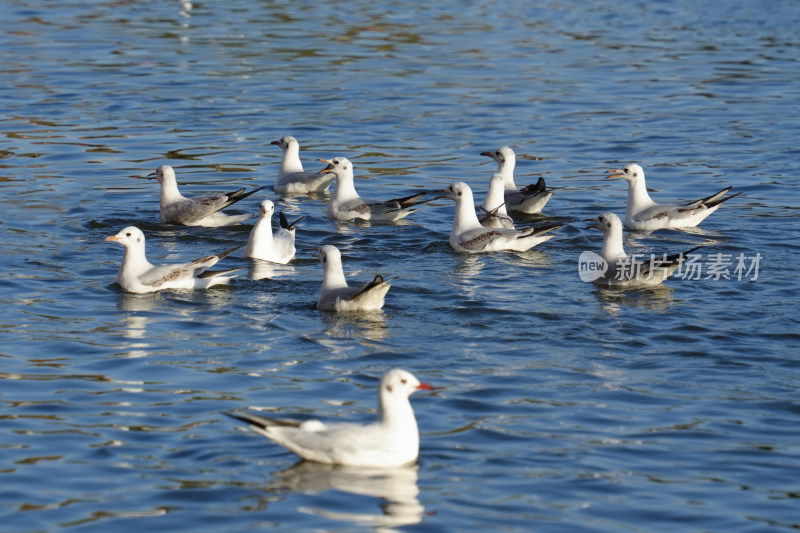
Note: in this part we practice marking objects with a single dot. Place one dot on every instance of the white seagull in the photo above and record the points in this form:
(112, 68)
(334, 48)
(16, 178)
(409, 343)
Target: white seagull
(197, 210)
(530, 199)
(494, 206)
(389, 442)
(263, 244)
(468, 236)
(292, 179)
(346, 204)
(138, 275)
(644, 214)
(621, 271)
(335, 295)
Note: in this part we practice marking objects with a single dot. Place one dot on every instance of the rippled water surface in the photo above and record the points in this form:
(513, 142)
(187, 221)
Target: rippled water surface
(558, 406)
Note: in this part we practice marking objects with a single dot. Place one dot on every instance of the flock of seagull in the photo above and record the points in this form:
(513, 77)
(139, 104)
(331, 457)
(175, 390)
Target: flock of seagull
(393, 439)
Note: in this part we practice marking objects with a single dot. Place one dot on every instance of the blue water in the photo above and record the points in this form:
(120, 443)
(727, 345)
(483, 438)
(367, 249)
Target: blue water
(558, 407)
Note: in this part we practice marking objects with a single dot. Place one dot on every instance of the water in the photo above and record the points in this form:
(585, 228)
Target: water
(559, 407)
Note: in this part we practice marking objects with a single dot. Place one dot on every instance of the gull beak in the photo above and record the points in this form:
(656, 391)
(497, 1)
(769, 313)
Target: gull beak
(443, 193)
(329, 168)
(593, 224)
(424, 386)
(276, 143)
(112, 238)
(488, 154)
(614, 174)
(152, 176)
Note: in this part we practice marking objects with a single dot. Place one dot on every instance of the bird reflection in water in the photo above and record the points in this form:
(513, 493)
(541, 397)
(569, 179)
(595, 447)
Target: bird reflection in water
(396, 488)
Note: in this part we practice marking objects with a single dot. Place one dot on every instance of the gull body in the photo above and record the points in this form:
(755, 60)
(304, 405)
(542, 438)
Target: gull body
(292, 179)
(203, 210)
(336, 295)
(263, 244)
(138, 275)
(623, 272)
(530, 199)
(390, 441)
(346, 204)
(468, 236)
(494, 206)
(642, 213)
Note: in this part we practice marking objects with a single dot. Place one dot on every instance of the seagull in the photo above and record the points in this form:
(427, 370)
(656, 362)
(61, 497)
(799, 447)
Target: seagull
(335, 295)
(494, 206)
(346, 204)
(138, 275)
(468, 236)
(389, 442)
(644, 214)
(262, 244)
(530, 199)
(292, 179)
(622, 272)
(197, 210)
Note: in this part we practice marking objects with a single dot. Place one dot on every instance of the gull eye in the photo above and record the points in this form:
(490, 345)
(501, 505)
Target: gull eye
(404, 381)
(128, 234)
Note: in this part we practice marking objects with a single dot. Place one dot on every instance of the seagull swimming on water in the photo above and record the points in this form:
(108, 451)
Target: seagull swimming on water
(644, 214)
(197, 210)
(346, 204)
(468, 236)
(292, 179)
(263, 244)
(389, 442)
(138, 275)
(335, 295)
(530, 199)
(622, 272)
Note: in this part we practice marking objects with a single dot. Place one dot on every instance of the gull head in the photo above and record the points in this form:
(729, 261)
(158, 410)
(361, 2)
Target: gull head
(329, 254)
(502, 155)
(130, 236)
(266, 209)
(164, 172)
(340, 166)
(456, 192)
(285, 142)
(400, 383)
(607, 223)
(630, 173)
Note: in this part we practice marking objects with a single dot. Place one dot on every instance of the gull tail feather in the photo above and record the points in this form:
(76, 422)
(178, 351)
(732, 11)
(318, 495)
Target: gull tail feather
(235, 196)
(285, 223)
(261, 422)
(720, 201)
(535, 188)
(408, 201)
(217, 273)
(376, 282)
(539, 230)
